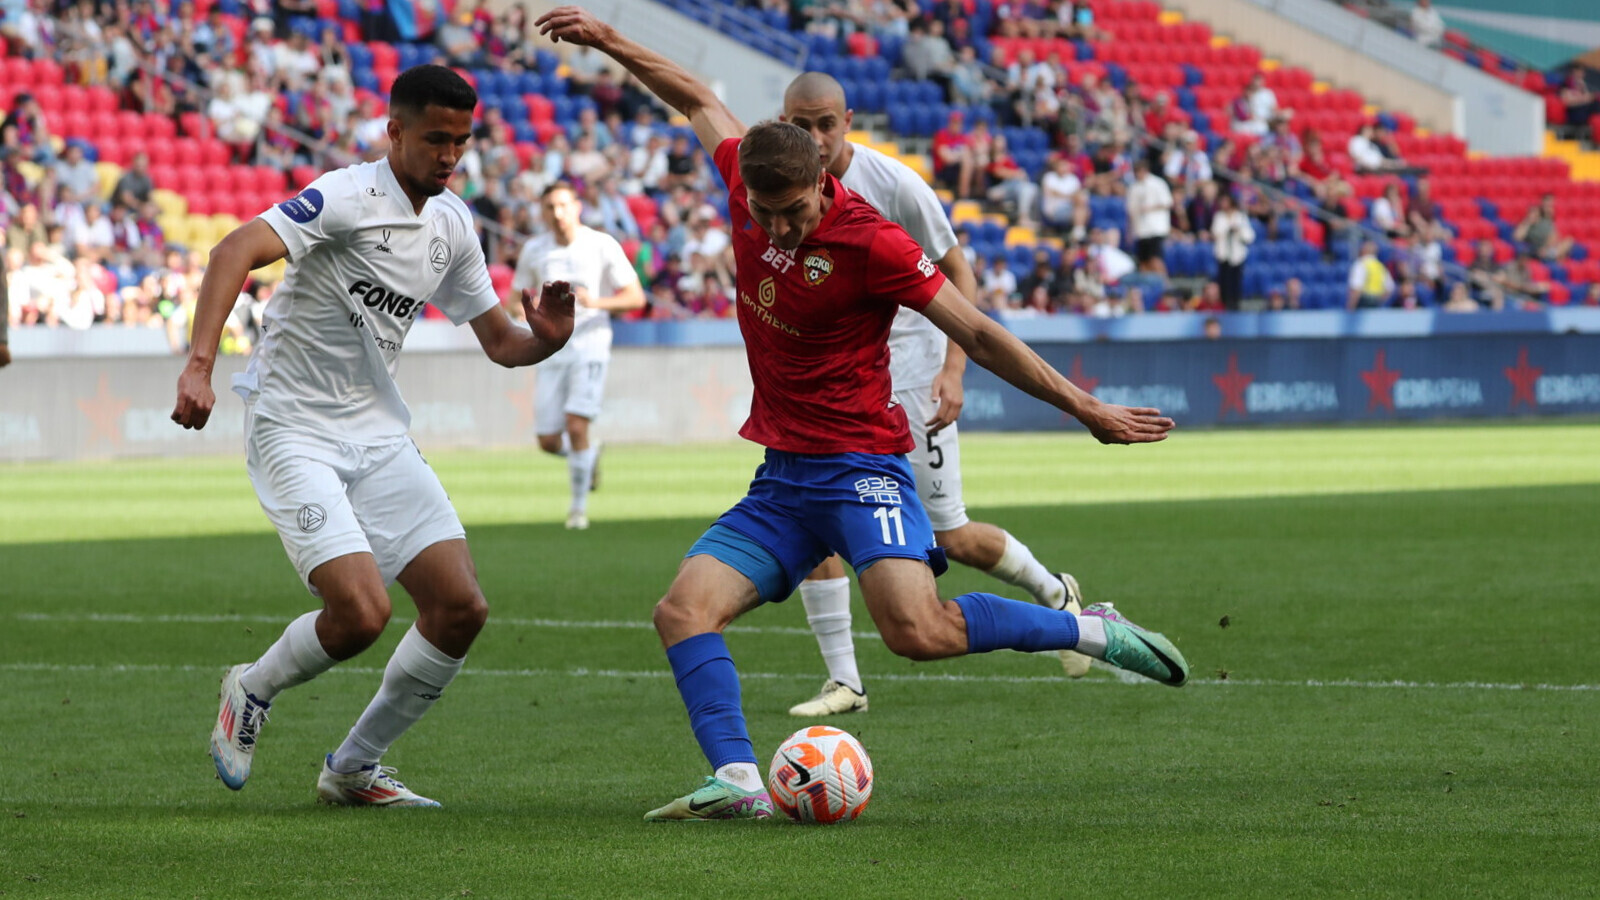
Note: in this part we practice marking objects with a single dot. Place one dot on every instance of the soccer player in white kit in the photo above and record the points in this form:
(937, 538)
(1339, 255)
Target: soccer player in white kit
(353, 500)
(571, 384)
(925, 368)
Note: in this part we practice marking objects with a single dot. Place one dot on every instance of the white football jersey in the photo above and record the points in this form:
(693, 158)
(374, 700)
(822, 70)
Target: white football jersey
(362, 263)
(593, 261)
(916, 346)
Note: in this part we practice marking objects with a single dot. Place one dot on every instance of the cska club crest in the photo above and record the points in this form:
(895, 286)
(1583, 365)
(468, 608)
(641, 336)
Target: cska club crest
(818, 266)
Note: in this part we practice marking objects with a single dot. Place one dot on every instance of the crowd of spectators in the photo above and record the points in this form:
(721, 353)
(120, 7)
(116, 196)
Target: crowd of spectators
(283, 95)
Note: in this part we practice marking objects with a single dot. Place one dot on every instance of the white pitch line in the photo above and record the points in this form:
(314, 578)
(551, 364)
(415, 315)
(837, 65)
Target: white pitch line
(223, 619)
(949, 677)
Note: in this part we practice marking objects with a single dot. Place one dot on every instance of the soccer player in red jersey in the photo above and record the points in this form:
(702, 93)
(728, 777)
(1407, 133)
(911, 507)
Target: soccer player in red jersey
(820, 277)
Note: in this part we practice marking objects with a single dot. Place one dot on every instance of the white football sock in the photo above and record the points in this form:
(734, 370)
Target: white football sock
(294, 658)
(416, 675)
(1017, 566)
(1091, 636)
(580, 471)
(827, 604)
(566, 444)
(741, 775)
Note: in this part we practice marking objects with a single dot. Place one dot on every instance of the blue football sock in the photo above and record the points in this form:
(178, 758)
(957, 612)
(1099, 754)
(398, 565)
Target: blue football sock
(995, 623)
(709, 685)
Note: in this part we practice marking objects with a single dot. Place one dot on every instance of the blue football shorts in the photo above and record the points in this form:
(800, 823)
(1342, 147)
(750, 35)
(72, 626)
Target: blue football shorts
(801, 508)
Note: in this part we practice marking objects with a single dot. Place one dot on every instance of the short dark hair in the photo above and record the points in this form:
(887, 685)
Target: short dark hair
(558, 185)
(420, 87)
(776, 156)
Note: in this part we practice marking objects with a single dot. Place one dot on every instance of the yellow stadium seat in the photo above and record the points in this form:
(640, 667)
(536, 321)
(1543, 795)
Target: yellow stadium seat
(1017, 236)
(1320, 87)
(860, 137)
(1270, 65)
(175, 228)
(1170, 17)
(30, 170)
(1218, 40)
(965, 211)
(224, 223)
(1055, 242)
(919, 164)
(170, 203)
(997, 219)
(944, 196)
(273, 273)
(108, 174)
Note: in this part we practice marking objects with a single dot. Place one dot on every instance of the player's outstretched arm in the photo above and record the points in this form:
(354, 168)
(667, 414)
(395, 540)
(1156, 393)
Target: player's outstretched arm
(1001, 352)
(248, 247)
(549, 327)
(713, 122)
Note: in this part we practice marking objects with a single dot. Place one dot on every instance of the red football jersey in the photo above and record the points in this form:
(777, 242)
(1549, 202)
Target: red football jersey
(816, 323)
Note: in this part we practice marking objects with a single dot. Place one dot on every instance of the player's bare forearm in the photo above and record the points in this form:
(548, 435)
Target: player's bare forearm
(1003, 353)
(631, 297)
(549, 326)
(712, 121)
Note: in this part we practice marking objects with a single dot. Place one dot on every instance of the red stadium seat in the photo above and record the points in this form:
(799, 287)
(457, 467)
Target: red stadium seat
(165, 177)
(159, 126)
(300, 176)
(102, 99)
(161, 151)
(111, 150)
(214, 153)
(47, 71)
(73, 124)
(130, 126)
(272, 180)
(225, 180)
(17, 73)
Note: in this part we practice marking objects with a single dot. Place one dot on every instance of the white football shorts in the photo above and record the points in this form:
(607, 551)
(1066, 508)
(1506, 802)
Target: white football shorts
(935, 461)
(329, 499)
(569, 387)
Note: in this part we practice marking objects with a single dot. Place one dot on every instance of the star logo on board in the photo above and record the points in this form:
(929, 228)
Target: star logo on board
(104, 411)
(522, 400)
(1380, 384)
(1232, 384)
(1524, 378)
(1084, 382)
(713, 397)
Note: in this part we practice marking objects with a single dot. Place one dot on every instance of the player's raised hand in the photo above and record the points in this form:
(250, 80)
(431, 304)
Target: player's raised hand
(550, 315)
(573, 24)
(195, 399)
(1113, 424)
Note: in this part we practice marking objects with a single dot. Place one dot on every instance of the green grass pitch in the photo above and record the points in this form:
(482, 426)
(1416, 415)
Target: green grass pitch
(1405, 701)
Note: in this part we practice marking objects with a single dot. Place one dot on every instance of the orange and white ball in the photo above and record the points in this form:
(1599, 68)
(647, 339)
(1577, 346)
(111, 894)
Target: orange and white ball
(820, 775)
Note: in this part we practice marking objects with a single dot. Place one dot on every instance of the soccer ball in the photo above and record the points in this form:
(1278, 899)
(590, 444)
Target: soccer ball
(820, 775)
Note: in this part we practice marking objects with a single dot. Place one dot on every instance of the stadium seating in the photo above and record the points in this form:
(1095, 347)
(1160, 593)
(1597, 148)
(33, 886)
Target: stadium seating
(1203, 72)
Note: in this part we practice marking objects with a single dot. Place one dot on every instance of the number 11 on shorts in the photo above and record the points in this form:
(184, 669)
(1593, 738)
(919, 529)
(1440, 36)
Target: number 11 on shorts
(883, 514)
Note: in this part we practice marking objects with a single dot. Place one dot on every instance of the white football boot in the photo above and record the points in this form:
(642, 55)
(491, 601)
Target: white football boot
(367, 786)
(1074, 663)
(833, 699)
(233, 736)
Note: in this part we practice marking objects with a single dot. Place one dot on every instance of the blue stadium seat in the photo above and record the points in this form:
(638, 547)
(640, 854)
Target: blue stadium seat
(869, 96)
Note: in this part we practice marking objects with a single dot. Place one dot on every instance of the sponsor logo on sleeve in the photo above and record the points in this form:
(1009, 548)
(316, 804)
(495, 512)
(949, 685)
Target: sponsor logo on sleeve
(303, 207)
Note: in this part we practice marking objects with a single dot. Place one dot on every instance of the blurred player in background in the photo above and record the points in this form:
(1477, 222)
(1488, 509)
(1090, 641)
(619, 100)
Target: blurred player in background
(820, 276)
(356, 505)
(571, 384)
(925, 368)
